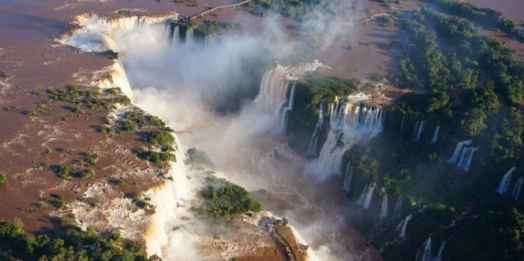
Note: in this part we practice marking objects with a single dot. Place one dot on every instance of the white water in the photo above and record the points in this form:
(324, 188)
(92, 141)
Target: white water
(384, 207)
(402, 226)
(458, 150)
(189, 37)
(362, 196)
(348, 177)
(420, 130)
(397, 211)
(466, 157)
(276, 94)
(350, 122)
(427, 255)
(504, 183)
(313, 143)
(368, 197)
(440, 251)
(516, 190)
(435, 135)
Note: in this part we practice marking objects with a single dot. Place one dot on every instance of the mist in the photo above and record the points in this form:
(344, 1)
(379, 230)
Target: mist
(205, 93)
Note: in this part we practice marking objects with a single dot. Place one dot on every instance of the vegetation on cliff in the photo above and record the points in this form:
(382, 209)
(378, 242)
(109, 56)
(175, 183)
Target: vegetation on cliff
(223, 199)
(473, 86)
(73, 244)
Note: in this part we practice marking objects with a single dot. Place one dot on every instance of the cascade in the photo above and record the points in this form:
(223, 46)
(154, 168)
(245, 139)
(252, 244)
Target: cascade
(440, 251)
(286, 108)
(398, 207)
(402, 123)
(348, 177)
(173, 31)
(427, 255)
(466, 157)
(504, 183)
(313, 143)
(362, 196)
(93, 31)
(415, 131)
(417, 257)
(384, 207)
(402, 226)
(516, 190)
(272, 91)
(350, 121)
(175, 39)
(189, 37)
(369, 196)
(275, 97)
(420, 129)
(435, 135)
(458, 150)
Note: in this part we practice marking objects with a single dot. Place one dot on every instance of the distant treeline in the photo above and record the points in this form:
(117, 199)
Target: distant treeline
(468, 60)
(486, 17)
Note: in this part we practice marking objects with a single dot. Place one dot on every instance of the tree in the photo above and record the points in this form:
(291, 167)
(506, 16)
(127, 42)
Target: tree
(473, 123)
(507, 144)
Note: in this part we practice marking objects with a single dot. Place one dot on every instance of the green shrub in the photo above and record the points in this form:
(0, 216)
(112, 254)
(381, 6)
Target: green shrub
(224, 199)
(61, 171)
(126, 127)
(3, 178)
(155, 157)
(92, 158)
(159, 138)
(30, 113)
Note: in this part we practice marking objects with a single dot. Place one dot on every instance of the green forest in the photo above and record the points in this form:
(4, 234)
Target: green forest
(470, 85)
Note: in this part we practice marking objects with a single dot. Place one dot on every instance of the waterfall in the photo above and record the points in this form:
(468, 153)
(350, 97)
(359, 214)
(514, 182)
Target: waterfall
(286, 107)
(175, 39)
(402, 123)
(273, 89)
(362, 196)
(427, 255)
(435, 135)
(173, 31)
(350, 121)
(516, 190)
(440, 251)
(458, 150)
(365, 198)
(369, 196)
(417, 257)
(420, 130)
(275, 97)
(313, 143)
(504, 183)
(415, 131)
(402, 226)
(189, 36)
(348, 177)
(466, 157)
(397, 211)
(384, 208)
